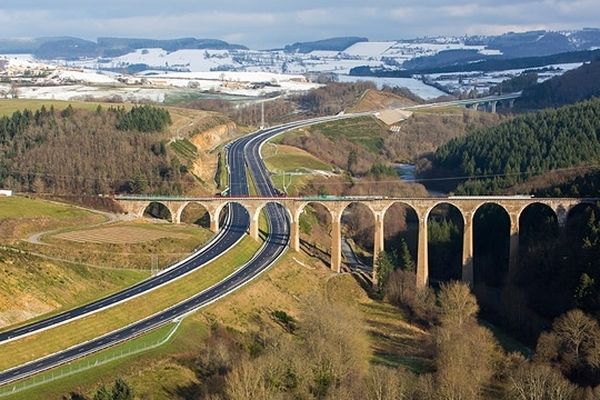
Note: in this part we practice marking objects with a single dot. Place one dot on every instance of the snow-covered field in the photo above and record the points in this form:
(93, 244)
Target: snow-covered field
(84, 92)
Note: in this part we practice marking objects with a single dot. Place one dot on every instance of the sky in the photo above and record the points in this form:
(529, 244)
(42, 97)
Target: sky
(274, 23)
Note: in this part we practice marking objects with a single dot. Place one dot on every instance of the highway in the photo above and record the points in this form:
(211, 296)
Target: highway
(241, 153)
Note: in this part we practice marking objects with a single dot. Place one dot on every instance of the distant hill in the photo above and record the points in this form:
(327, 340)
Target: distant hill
(489, 63)
(69, 48)
(444, 58)
(25, 45)
(534, 43)
(168, 44)
(73, 48)
(332, 44)
(579, 84)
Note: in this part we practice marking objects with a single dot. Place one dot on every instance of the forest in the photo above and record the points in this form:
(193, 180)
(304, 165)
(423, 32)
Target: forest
(579, 84)
(73, 151)
(526, 146)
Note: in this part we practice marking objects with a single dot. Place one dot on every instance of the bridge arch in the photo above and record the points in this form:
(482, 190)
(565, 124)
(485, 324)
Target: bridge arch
(159, 210)
(313, 223)
(260, 207)
(491, 245)
(537, 221)
(300, 209)
(577, 218)
(445, 231)
(256, 222)
(221, 212)
(401, 227)
(195, 212)
(359, 219)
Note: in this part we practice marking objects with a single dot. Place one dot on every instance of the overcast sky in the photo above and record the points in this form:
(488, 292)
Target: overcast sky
(273, 23)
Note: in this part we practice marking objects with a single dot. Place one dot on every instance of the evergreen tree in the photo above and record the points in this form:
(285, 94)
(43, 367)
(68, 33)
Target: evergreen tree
(406, 261)
(103, 394)
(121, 390)
(385, 266)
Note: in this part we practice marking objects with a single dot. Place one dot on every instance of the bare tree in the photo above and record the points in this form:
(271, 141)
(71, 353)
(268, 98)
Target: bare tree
(465, 350)
(534, 381)
(457, 304)
(573, 343)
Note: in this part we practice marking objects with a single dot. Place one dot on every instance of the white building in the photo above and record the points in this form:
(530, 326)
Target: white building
(5, 193)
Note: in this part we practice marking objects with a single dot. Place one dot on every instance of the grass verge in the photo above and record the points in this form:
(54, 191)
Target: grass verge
(30, 387)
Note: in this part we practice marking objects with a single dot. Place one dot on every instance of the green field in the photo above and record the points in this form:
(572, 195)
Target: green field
(291, 167)
(9, 106)
(22, 207)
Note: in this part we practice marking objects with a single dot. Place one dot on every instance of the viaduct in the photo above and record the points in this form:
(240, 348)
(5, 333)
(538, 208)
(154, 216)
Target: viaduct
(422, 207)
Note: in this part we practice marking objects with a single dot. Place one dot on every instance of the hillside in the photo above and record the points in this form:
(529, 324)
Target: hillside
(529, 145)
(579, 84)
(487, 64)
(332, 44)
(45, 151)
(375, 100)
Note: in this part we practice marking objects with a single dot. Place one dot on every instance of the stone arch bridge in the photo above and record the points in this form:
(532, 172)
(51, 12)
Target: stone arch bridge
(422, 207)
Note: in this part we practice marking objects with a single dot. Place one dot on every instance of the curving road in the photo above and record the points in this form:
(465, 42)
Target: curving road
(242, 152)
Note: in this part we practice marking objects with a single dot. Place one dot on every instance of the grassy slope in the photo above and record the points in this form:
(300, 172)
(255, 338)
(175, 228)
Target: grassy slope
(367, 132)
(21, 207)
(288, 158)
(30, 286)
(158, 373)
(50, 341)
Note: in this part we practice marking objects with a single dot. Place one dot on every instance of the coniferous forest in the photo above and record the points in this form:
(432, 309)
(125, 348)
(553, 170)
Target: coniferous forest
(497, 158)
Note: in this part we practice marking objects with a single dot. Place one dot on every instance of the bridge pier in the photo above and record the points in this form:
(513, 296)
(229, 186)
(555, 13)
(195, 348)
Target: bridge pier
(513, 258)
(336, 243)
(214, 220)
(254, 225)
(378, 244)
(422, 256)
(295, 234)
(493, 105)
(467, 255)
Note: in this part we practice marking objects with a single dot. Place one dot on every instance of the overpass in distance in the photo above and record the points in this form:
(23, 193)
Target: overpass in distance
(507, 99)
(293, 207)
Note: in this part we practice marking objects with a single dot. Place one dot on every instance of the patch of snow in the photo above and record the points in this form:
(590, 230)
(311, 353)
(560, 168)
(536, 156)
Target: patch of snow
(368, 49)
(416, 86)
